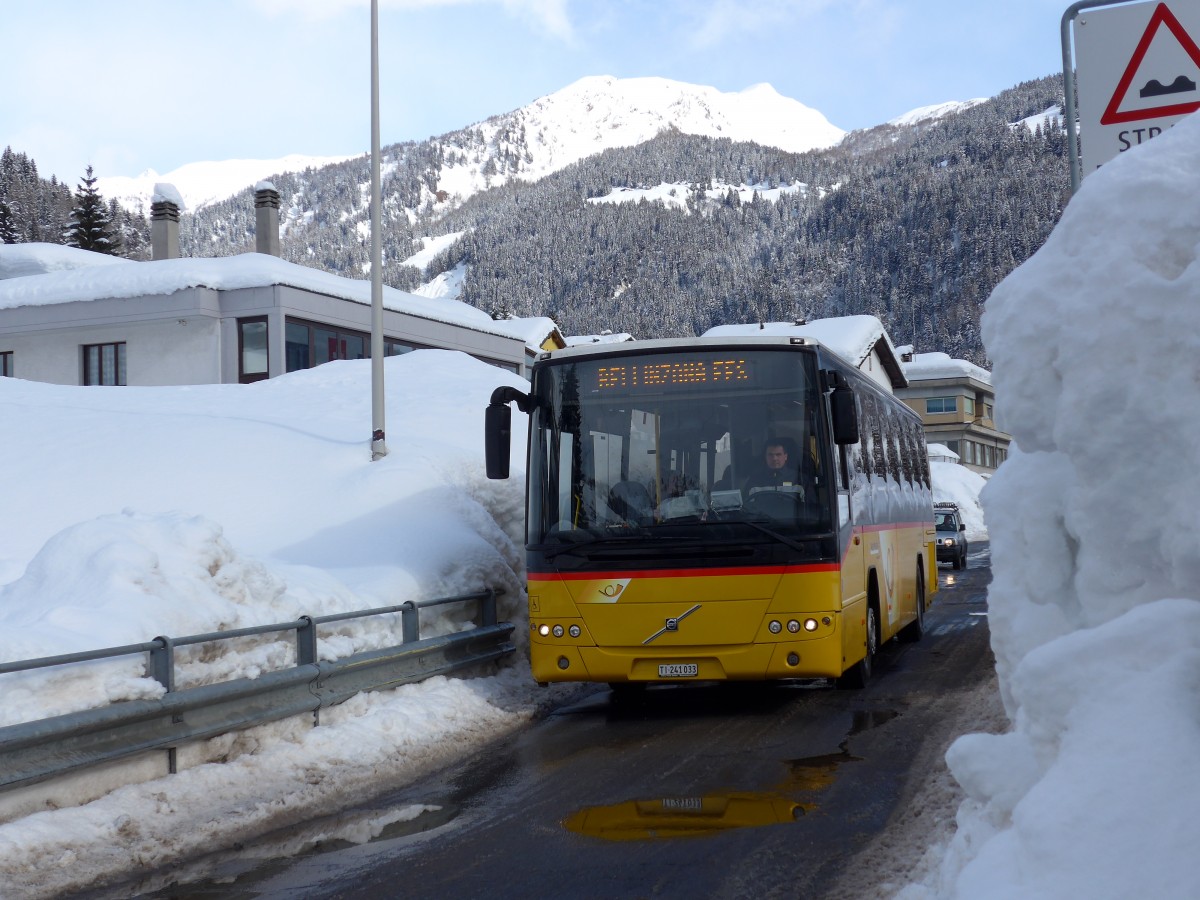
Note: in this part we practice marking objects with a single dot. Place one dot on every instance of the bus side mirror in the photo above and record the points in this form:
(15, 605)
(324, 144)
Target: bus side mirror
(497, 427)
(497, 438)
(845, 415)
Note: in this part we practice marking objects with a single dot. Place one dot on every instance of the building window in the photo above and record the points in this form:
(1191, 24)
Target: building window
(104, 363)
(308, 344)
(969, 406)
(6, 364)
(297, 351)
(252, 350)
(935, 405)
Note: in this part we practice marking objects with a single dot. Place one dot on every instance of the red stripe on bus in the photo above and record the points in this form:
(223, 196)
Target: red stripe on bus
(684, 573)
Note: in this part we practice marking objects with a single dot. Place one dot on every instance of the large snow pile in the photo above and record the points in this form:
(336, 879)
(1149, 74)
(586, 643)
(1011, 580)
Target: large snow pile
(137, 512)
(1096, 568)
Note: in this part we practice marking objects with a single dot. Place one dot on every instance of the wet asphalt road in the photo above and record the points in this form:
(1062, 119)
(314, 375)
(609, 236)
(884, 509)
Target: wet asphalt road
(692, 792)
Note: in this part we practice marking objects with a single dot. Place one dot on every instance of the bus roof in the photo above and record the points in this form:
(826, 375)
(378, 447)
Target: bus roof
(894, 374)
(661, 344)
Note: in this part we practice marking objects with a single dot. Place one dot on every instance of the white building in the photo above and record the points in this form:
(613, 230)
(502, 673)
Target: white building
(73, 317)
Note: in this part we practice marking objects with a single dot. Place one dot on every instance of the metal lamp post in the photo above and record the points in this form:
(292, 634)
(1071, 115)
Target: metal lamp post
(378, 445)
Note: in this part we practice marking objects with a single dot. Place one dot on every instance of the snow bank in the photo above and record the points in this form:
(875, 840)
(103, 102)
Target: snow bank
(1093, 610)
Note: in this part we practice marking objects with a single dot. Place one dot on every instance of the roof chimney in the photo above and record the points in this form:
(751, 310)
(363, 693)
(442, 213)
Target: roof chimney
(266, 218)
(165, 205)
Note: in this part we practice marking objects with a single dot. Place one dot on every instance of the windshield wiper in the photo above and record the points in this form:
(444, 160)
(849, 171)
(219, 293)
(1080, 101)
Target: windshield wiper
(770, 532)
(574, 542)
(595, 542)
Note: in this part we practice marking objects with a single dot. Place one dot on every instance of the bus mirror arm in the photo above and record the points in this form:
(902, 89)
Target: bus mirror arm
(504, 395)
(497, 428)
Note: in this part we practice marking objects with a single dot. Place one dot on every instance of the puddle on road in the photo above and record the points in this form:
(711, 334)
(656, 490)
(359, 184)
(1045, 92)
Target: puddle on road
(240, 872)
(665, 818)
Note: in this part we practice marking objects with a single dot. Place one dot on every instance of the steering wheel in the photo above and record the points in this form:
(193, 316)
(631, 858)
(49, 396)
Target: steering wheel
(776, 504)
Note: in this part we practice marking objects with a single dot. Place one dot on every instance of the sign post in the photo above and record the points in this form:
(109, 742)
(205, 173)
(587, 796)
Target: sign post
(1138, 73)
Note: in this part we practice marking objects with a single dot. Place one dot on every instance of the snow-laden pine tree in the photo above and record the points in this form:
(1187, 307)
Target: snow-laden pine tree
(91, 226)
(9, 234)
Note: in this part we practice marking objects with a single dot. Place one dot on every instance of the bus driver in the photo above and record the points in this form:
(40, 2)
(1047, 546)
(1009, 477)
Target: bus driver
(775, 472)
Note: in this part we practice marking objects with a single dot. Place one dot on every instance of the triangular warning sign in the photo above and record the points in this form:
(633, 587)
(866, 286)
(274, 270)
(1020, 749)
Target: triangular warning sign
(1171, 93)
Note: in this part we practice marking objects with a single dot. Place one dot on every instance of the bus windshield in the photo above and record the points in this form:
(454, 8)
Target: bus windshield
(676, 443)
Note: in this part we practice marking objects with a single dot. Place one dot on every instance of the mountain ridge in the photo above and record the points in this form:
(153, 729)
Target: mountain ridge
(632, 110)
(912, 223)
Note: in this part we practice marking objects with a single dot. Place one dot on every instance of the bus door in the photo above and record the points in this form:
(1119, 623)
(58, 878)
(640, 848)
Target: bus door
(853, 497)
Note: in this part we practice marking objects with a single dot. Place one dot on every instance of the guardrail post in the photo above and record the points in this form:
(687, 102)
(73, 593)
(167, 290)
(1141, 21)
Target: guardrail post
(161, 667)
(410, 622)
(306, 642)
(487, 608)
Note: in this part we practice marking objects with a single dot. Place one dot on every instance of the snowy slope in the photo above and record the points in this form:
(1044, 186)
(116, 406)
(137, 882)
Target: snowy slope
(594, 114)
(202, 183)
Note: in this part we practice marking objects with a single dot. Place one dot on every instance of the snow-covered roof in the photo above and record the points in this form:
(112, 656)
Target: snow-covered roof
(604, 337)
(851, 337)
(533, 330)
(51, 280)
(18, 260)
(926, 366)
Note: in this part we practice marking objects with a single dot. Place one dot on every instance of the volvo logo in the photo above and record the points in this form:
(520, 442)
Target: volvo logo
(672, 624)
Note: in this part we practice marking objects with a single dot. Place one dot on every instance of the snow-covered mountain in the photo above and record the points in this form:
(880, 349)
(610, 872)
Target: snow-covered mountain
(202, 183)
(935, 111)
(600, 113)
(594, 114)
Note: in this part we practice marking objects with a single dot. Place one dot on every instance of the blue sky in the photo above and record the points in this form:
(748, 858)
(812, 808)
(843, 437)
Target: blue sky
(128, 85)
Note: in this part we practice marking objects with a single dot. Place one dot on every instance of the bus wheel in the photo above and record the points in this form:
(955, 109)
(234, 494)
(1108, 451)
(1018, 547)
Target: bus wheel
(915, 629)
(858, 676)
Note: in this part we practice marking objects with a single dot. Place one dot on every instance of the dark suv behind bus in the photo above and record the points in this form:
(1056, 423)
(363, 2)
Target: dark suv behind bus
(951, 535)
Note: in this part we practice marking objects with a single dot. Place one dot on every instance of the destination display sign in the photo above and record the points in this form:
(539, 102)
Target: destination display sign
(677, 371)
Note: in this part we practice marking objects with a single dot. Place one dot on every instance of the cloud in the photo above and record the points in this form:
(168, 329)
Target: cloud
(718, 21)
(721, 19)
(549, 16)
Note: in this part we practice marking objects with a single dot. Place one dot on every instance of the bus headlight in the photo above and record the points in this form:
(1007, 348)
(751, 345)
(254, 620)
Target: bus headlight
(793, 626)
(574, 631)
(544, 630)
(774, 627)
(558, 631)
(810, 624)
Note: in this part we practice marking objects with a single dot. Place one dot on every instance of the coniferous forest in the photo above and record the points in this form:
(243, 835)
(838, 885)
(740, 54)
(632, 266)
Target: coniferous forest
(914, 224)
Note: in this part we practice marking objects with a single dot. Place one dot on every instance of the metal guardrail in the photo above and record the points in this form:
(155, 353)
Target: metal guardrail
(34, 751)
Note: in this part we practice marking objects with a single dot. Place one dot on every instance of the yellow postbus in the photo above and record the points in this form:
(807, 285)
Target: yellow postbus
(743, 508)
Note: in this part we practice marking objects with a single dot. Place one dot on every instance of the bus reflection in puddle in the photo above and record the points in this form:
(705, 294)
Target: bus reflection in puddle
(679, 817)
